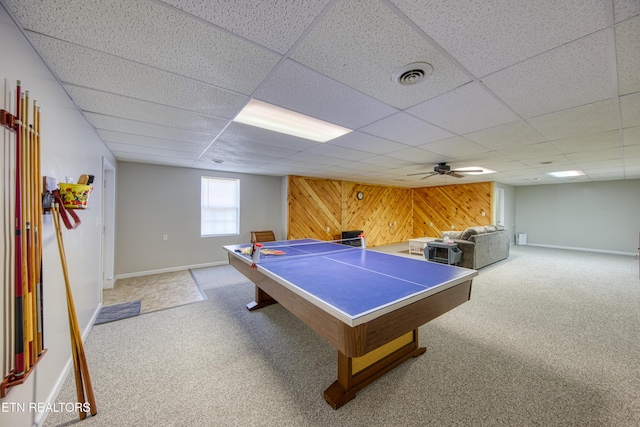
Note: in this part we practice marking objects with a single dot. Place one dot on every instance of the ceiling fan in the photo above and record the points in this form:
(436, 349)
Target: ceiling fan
(445, 169)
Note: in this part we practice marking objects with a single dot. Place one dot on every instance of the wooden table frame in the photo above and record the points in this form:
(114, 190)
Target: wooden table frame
(366, 351)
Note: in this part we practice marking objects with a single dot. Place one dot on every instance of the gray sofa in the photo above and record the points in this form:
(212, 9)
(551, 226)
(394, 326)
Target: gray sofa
(481, 245)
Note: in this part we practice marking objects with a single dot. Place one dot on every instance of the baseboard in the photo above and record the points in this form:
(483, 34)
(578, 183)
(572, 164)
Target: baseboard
(170, 269)
(41, 417)
(601, 251)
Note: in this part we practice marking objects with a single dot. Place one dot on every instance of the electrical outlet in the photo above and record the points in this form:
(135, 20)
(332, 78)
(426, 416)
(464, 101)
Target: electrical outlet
(165, 237)
(453, 227)
(328, 229)
(430, 224)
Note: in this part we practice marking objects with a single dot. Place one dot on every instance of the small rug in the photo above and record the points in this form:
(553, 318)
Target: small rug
(118, 311)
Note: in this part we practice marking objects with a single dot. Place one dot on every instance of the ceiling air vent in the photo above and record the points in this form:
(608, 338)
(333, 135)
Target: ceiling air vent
(413, 73)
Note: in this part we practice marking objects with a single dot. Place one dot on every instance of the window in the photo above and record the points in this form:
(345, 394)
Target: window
(219, 206)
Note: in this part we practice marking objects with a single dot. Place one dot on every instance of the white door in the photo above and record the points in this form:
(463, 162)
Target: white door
(498, 206)
(108, 224)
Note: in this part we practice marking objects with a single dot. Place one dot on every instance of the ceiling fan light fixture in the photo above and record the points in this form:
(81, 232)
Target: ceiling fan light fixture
(413, 73)
(473, 170)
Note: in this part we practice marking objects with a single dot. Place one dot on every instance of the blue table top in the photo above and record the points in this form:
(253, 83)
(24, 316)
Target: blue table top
(353, 283)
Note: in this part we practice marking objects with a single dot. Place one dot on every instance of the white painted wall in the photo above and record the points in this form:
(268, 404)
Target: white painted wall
(596, 216)
(70, 147)
(156, 200)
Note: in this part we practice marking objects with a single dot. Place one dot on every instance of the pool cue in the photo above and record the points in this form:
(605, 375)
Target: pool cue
(74, 348)
(24, 143)
(28, 237)
(38, 200)
(18, 307)
(83, 379)
(32, 258)
(8, 280)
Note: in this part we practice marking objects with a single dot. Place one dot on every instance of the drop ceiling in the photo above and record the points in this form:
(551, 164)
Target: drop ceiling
(520, 87)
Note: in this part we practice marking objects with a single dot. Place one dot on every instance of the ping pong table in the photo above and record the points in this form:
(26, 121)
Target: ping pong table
(367, 304)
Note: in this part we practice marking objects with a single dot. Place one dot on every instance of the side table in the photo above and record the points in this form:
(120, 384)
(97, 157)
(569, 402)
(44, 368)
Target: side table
(444, 253)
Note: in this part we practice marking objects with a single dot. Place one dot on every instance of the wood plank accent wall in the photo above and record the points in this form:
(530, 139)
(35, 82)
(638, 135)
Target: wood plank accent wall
(386, 214)
(314, 206)
(460, 206)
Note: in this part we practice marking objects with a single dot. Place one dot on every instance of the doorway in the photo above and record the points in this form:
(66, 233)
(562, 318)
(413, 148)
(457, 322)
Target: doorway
(498, 206)
(108, 223)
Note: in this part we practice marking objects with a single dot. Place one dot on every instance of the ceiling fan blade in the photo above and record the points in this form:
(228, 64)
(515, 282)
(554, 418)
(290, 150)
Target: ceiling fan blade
(468, 171)
(430, 174)
(457, 175)
(420, 173)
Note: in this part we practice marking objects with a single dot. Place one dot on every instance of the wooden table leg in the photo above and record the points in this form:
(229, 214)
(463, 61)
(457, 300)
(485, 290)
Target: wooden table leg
(354, 373)
(263, 299)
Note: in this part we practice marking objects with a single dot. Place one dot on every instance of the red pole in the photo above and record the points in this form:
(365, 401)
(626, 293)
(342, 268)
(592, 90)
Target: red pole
(19, 309)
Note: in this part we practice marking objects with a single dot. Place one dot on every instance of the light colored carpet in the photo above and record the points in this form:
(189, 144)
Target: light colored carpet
(549, 338)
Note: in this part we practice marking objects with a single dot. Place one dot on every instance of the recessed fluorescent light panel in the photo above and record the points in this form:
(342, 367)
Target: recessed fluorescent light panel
(475, 168)
(565, 174)
(267, 116)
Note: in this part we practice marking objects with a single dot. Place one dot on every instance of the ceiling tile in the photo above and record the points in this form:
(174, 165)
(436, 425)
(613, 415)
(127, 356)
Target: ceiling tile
(533, 151)
(160, 81)
(339, 152)
(363, 43)
(117, 124)
(136, 150)
(504, 136)
(276, 25)
(150, 159)
(318, 159)
(630, 109)
(511, 30)
(488, 159)
(593, 118)
(466, 109)
(85, 67)
(132, 30)
(631, 136)
(560, 163)
(596, 141)
(631, 151)
(298, 88)
(236, 148)
(623, 9)
(385, 162)
(599, 164)
(299, 162)
(245, 133)
(628, 56)
(118, 106)
(418, 156)
(504, 166)
(407, 129)
(148, 143)
(367, 143)
(596, 156)
(236, 158)
(556, 80)
(456, 147)
(360, 167)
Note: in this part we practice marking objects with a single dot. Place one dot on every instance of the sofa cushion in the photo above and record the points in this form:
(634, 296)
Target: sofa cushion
(451, 234)
(471, 231)
(499, 227)
(489, 228)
